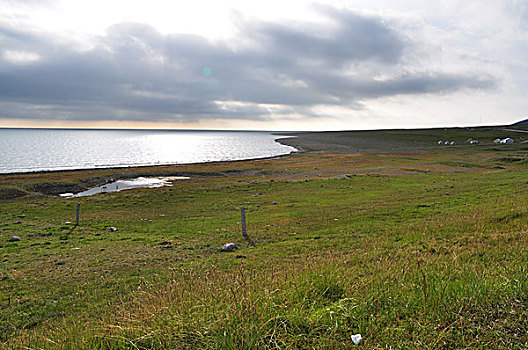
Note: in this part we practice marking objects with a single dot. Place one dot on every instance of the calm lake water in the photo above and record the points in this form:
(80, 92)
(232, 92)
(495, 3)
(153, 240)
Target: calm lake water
(26, 150)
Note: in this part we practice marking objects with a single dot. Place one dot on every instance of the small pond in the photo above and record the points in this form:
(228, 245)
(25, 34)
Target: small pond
(121, 185)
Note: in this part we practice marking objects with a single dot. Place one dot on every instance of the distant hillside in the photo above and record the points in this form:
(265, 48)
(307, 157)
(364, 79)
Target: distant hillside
(522, 123)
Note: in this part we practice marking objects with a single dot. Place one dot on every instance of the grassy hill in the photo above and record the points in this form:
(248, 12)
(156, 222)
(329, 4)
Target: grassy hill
(383, 233)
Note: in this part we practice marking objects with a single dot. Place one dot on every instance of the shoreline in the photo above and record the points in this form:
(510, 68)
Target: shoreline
(79, 164)
(354, 142)
(153, 166)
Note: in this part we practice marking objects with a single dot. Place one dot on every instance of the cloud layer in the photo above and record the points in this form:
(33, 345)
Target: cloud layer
(268, 71)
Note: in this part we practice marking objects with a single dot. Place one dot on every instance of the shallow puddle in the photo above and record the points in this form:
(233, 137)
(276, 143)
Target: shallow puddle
(121, 185)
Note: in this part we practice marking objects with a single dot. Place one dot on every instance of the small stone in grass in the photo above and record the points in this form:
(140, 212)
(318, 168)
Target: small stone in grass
(229, 247)
(112, 229)
(14, 239)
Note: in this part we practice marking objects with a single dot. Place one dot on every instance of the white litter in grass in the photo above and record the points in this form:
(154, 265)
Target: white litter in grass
(356, 338)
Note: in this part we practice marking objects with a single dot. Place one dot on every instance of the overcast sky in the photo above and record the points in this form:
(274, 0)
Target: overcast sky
(274, 65)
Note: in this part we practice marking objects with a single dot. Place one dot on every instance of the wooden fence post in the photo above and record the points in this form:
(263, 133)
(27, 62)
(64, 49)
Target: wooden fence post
(243, 215)
(77, 216)
(243, 221)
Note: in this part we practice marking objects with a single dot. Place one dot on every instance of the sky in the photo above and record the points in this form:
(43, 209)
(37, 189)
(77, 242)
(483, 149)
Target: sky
(263, 65)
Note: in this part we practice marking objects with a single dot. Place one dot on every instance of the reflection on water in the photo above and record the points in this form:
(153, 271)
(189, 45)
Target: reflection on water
(120, 185)
(24, 150)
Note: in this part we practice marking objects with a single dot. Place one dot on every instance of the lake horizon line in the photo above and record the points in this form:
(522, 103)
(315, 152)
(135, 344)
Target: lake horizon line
(153, 129)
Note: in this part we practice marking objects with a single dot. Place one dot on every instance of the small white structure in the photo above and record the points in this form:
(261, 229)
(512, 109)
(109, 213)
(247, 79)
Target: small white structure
(473, 142)
(440, 142)
(497, 141)
(453, 143)
(507, 140)
(446, 143)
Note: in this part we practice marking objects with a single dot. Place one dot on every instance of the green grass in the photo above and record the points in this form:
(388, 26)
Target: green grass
(409, 259)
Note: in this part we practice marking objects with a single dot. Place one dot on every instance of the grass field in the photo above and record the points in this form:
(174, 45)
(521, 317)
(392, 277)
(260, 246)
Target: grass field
(410, 244)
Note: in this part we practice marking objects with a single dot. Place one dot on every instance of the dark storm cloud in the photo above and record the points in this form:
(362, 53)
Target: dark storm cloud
(354, 38)
(135, 73)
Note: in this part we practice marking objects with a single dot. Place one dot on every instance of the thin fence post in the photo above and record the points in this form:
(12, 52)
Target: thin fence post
(243, 222)
(243, 215)
(77, 216)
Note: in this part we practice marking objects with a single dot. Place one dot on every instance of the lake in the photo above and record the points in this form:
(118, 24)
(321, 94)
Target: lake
(28, 150)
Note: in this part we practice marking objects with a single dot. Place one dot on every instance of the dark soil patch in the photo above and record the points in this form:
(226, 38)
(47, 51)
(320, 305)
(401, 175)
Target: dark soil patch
(55, 188)
(10, 193)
